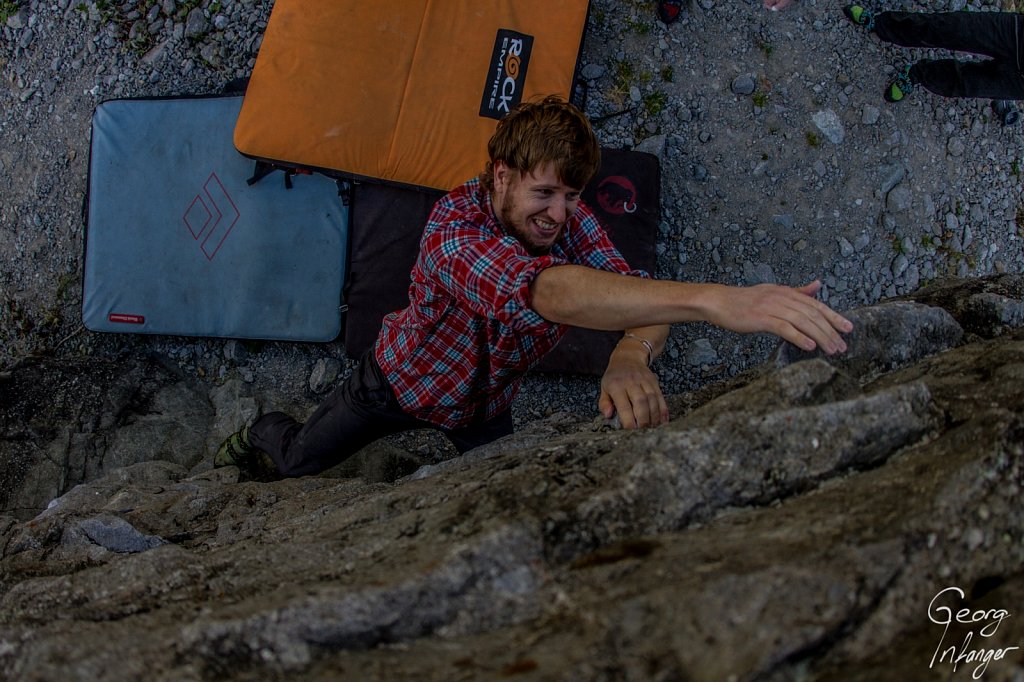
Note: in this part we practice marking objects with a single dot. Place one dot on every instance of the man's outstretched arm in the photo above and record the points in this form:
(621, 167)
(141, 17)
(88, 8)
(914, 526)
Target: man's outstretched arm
(584, 297)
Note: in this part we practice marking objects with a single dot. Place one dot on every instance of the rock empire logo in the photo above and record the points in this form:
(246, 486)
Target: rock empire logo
(506, 73)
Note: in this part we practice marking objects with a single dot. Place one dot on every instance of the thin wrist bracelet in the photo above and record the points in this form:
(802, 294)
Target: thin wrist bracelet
(647, 345)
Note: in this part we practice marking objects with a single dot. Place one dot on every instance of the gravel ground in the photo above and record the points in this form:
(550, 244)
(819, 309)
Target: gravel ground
(780, 160)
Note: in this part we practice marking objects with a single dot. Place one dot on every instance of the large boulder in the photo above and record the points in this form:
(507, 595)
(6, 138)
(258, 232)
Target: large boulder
(64, 421)
(816, 519)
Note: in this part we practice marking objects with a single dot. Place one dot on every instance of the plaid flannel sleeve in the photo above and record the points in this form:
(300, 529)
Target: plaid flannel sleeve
(492, 275)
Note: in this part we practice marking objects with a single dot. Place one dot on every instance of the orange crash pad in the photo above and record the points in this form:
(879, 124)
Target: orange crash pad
(407, 92)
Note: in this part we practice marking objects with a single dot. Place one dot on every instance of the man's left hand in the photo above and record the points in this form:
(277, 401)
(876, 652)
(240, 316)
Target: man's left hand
(631, 389)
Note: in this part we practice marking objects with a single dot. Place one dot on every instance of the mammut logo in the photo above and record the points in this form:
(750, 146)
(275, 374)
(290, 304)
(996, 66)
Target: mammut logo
(205, 216)
(506, 74)
(617, 195)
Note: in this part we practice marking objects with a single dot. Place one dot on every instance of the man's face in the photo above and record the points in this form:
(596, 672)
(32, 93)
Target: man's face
(533, 207)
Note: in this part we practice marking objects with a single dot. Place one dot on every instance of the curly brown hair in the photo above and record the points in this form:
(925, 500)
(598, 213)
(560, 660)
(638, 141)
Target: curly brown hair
(549, 130)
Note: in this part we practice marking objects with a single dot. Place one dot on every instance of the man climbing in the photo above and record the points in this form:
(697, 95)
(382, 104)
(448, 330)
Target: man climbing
(506, 261)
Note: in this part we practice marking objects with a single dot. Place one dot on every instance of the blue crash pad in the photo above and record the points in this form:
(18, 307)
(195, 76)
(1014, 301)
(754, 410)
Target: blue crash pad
(177, 241)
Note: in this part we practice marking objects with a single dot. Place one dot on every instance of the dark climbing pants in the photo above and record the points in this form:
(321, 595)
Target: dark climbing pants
(996, 35)
(361, 410)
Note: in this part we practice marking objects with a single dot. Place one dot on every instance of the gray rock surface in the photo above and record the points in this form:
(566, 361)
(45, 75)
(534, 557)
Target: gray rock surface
(798, 521)
(66, 422)
(792, 522)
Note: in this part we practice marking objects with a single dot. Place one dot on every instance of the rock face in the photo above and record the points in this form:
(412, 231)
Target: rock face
(62, 423)
(812, 519)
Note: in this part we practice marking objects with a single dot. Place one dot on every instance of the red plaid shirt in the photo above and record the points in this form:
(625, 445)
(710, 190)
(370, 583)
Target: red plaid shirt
(458, 353)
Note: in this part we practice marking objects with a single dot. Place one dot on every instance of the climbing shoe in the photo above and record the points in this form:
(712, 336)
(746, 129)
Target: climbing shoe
(899, 87)
(668, 10)
(1005, 111)
(236, 450)
(860, 16)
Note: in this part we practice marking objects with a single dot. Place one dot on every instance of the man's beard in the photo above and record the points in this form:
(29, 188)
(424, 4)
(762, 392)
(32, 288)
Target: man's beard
(519, 232)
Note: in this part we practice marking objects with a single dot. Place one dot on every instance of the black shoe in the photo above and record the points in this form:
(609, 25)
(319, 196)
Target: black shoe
(1005, 111)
